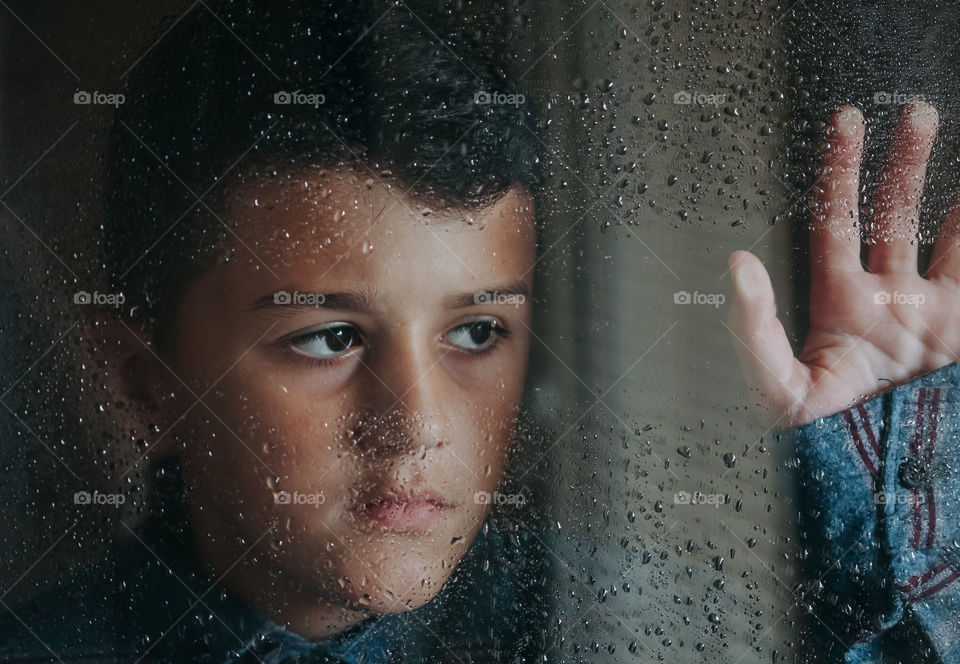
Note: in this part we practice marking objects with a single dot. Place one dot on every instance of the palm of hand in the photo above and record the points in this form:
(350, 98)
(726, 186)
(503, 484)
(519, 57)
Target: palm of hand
(869, 329)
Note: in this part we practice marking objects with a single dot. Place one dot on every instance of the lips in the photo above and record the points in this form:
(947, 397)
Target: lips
(401, 509)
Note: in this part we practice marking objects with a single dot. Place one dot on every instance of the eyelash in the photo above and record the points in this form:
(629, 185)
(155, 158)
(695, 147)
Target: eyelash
(290, 352)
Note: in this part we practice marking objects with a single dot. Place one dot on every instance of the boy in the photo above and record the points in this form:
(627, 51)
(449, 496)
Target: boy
(321, 219)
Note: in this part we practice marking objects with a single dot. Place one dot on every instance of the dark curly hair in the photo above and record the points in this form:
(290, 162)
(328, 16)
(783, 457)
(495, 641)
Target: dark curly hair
(400, 90)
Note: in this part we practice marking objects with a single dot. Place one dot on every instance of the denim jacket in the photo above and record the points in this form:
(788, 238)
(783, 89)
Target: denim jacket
(880, 518)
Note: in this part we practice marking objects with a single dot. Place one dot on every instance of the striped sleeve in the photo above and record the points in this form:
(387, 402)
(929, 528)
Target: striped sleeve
(921, 510)
(879, 487)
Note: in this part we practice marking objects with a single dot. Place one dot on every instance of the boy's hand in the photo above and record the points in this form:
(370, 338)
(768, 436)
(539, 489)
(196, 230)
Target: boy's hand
(869, 329)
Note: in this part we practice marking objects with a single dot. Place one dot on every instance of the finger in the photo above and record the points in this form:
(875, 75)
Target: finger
(896, 217)
(762, 345)
(835, 237)
(945, 260)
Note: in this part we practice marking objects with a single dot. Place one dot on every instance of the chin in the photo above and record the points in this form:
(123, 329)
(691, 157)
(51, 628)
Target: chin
(382, 602)
(400, 580)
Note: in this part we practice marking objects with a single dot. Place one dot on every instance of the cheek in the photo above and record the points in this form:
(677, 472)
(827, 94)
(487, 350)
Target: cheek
(483, 437)
(292, 430)
(251, 438)
(485, 411)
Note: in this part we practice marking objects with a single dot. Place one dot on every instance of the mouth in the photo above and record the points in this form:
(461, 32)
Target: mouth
(403, 510)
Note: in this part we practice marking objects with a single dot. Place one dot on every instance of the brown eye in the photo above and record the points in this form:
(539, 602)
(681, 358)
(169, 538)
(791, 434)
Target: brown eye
(476, 335)
(328, 341)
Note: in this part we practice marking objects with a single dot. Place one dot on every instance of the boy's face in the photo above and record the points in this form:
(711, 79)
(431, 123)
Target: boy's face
(346, 429)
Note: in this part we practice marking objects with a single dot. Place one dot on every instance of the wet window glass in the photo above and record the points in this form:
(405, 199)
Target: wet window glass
(458, 331)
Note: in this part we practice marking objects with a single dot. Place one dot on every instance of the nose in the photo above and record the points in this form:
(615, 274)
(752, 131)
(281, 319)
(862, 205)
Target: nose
(403, 389)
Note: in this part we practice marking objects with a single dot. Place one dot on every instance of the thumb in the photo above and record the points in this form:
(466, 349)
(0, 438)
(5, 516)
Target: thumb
(759, 338)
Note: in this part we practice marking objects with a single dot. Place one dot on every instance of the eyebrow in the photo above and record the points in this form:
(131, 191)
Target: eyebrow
(361, 301)
(310, 300)
(517, 288)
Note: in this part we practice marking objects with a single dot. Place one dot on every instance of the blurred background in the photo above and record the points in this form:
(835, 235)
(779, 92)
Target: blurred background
(677, 132)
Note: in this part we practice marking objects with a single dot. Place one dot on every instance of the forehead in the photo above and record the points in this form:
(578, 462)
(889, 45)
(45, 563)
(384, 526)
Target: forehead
(337, 224)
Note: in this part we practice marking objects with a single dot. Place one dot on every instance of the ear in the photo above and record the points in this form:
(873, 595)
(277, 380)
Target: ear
(138, 382)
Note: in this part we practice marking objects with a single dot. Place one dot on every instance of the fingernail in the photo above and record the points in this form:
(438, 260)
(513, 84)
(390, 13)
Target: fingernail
(744, 281)
(849, 120)
(923, 116)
